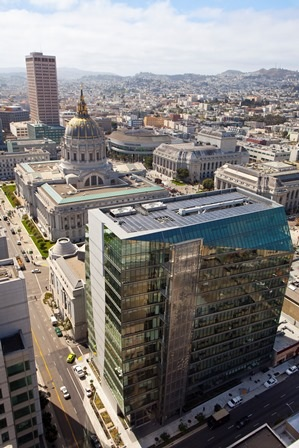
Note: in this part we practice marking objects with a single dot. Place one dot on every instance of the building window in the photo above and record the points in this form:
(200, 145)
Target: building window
(22, 382)
(18, 368)
(25, 425)
(17, 399)
(24, 411)
(82, 157)
(3, 423)
(2, 410)
(5, 437)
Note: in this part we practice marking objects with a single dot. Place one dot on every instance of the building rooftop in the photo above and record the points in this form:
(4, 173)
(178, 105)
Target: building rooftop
(188, 210)
(12, 343)
(261, 437)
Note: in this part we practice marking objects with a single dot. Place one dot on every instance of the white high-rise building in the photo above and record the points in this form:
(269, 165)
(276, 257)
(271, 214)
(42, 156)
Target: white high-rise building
(20, 414)
(42, 88)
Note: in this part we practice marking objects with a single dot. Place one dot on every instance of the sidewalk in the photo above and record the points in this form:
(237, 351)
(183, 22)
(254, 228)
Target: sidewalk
(248, 389)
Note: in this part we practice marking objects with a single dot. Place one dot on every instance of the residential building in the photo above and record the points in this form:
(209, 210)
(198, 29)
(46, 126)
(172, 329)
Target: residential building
(67, 281)
(42, 88)
(274, 180)
(201, 161)
(20, 419)
(183, 297)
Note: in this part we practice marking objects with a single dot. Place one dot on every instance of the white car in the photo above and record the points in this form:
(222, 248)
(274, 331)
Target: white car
(291, 370)
(79, 371)
(36, 271)
(235, 402)
(88, 392)
(65, 392)
(270, 382)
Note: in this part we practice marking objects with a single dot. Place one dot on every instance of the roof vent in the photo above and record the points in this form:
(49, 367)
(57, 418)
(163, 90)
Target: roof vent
(152, 206)
(122, 211)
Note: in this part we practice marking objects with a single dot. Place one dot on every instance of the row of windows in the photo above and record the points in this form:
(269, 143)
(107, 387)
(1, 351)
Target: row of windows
(18, 368)
(24, 411)
(22, 382)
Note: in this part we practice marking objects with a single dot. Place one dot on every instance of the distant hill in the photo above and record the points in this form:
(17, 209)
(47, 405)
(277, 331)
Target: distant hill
(231, 73)
(77, 74)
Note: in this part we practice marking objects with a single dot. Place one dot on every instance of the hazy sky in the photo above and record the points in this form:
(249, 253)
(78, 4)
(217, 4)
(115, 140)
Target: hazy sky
(160, 36)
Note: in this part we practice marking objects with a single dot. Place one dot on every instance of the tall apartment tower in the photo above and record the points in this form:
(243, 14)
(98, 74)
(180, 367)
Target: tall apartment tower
(20, 414)
(42, 88)
(184, 297)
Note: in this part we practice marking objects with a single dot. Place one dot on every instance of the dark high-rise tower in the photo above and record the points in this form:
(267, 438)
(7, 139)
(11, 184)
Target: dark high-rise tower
(42, 88)
(184, 297)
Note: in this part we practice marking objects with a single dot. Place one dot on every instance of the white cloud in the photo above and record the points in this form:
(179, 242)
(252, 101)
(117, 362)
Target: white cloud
(101, 36)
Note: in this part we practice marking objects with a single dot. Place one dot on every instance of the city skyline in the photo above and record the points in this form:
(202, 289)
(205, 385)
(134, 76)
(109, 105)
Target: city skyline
(163, 37)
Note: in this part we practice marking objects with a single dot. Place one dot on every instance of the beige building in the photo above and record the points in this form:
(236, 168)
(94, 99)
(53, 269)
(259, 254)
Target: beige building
(67, 280)
(274, 180)
(201, 161)
(42, 88)
(19, 129)
(9, 160)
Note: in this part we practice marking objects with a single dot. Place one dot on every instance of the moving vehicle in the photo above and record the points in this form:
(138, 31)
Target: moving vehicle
(19, 242)
(235, 402)
(79, 371)
(65, 392)
(218, 418)
(20, 263)
(36, 271)
(270, 382)
(71, 358)
(58, 332)
(242, 422)
(291, 370)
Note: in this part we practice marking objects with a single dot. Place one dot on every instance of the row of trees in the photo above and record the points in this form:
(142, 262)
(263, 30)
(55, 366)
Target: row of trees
(183, 174)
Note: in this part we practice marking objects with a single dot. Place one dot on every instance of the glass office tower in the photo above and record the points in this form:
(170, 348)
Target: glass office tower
(185, 297)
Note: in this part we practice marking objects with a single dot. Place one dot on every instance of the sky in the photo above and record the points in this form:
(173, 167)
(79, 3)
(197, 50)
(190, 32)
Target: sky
(126, 37)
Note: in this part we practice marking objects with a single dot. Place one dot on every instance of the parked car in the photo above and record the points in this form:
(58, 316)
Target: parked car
(270, 382)
(235, 402)
(242, 422)
(79, 371)
(291, 370)
(88, 392)
(65, 392)
(71, 358)
(58, 332)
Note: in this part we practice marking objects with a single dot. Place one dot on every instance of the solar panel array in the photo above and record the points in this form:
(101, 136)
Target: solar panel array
(169, 218)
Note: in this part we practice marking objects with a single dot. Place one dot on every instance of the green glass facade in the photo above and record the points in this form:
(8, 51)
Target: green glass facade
(188, 310)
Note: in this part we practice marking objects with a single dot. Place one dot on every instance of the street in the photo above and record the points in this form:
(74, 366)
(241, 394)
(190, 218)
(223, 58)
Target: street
(272, 406)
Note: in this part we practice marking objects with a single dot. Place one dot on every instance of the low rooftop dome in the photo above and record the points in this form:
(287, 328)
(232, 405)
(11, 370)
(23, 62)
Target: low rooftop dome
(64, 248)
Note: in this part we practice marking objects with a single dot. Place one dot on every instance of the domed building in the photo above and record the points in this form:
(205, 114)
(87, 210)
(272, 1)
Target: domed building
(133, 145)
(57, 194)
(83, 152)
